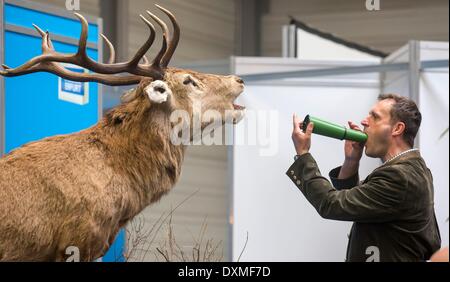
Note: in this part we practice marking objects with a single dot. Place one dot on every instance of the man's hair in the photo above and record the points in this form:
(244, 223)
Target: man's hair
(406, 111)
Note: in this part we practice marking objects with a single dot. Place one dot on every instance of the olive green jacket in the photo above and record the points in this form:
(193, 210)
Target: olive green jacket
(392, 209)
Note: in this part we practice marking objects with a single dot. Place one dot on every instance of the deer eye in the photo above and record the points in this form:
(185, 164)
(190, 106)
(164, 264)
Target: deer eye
(189, 80)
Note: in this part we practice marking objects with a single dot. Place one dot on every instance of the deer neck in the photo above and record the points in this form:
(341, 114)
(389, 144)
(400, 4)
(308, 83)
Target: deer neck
(139, 149)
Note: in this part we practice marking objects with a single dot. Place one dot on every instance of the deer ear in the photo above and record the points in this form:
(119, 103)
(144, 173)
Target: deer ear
(128, 96)
(158, 91)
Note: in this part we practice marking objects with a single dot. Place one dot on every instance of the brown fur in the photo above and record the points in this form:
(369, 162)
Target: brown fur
(80, 189)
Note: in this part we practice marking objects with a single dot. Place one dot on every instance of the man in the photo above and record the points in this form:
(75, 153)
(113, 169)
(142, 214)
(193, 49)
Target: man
(393, 208)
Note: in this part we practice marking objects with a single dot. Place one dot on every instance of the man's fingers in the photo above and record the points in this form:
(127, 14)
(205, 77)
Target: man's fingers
(354, 126)
(296, 123)
(310, 128)
(351, 124)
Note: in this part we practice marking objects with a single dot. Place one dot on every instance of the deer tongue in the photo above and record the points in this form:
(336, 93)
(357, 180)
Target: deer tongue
(238, 107)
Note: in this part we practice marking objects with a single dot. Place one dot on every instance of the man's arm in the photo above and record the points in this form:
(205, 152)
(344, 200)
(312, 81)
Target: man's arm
(343, 177)
(343, 183)
(378, 200)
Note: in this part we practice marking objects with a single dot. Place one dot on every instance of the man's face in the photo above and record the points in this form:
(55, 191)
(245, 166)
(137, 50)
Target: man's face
(378, 127)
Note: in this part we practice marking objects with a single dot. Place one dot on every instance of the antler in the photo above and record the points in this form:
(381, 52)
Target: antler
(50, 60)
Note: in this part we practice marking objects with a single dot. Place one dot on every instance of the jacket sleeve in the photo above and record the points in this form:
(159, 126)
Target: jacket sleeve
(341, 184)
(377, 200)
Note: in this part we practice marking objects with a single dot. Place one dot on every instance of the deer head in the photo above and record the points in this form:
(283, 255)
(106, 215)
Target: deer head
(159, 86)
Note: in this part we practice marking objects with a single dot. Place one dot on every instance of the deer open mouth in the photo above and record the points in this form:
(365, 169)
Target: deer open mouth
(238, 107)
(238, 113)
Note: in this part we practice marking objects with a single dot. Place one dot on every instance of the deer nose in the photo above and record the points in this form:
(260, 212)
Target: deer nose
(239, 80)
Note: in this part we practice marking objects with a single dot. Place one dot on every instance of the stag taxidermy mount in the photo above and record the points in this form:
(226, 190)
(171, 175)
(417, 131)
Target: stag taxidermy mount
(81, 189)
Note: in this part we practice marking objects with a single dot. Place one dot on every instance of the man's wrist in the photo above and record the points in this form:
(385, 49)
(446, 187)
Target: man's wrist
(351, 162)
(348, 169)
(300, 153)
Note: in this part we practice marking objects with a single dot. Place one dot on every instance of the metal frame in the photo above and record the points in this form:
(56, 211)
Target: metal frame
(414, 66)
(31, 32)
(414, 77)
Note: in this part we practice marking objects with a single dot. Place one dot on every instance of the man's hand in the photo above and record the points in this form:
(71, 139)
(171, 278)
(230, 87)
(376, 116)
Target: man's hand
(302, 140)
(353, 152)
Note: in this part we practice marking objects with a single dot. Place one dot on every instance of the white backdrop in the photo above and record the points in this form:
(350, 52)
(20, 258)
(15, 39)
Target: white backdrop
(434, 107)
(281, 224)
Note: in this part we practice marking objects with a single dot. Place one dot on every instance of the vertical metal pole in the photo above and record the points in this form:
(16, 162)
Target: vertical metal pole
(289, 41)
(293, 41)
(230, 173)
(285, 41)
(414, 77)
(230, 214)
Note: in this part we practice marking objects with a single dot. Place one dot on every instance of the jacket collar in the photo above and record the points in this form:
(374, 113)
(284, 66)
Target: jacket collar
(412, 154)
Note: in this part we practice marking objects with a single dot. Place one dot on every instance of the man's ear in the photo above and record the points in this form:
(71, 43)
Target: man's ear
(399, 128)
(158, 92)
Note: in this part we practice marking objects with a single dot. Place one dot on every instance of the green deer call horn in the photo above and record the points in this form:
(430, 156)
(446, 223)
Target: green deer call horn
(332, 130)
